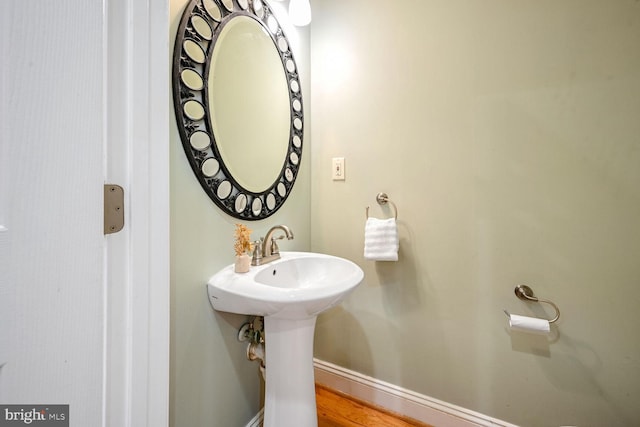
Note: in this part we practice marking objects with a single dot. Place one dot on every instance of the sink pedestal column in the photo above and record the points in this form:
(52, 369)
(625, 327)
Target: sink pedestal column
(290, 397)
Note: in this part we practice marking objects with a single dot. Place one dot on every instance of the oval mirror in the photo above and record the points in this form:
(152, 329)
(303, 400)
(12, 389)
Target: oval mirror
(238, 104)
(212, 10)
(256, 207)
(258, 9)
(193, 110)
(210, 168)
(228, 4)
(260, 119)
(201, 141)
(297, 141)
(283, 44)
(201, 27)
(291, 66)
(224, 189)
(194, 51)
(192, 79)
(271, 201)
(241, 203)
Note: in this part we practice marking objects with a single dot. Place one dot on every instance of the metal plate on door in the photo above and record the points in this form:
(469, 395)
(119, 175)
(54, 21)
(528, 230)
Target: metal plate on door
(113, 208)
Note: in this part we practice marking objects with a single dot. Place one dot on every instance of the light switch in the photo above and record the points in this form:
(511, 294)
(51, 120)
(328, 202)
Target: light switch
(337, 169)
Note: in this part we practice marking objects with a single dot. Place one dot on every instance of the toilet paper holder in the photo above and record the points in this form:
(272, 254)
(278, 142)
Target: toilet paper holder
(525, 293)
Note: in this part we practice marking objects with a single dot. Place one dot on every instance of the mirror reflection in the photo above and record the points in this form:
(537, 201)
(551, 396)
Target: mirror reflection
(212, 10)
(210, 167)
(243, 56)
(192, 79)
(201, 27)
(193, 110)
(200, 141)
(194, 51)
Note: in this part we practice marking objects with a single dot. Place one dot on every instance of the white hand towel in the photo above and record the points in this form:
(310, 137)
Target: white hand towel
(381, 239)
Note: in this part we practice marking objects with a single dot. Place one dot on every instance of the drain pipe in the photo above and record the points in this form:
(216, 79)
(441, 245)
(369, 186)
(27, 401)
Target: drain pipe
(255, 351)
(253, 332)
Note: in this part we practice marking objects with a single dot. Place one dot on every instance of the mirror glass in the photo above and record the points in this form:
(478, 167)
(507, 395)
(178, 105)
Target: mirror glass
(242, 59)
(241, 203)
(210, 167)
(238, 104)
(201, 27)
(194, 51)
(228, 4)
(193, 110)
(201, 141)
(192, 79)
(224, 189)
(212, 10)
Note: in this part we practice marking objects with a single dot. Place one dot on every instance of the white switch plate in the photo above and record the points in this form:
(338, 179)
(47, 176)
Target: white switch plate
(337, 169)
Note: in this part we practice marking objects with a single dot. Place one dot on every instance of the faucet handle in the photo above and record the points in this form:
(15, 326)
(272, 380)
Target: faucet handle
(274, 246)
(257, 252)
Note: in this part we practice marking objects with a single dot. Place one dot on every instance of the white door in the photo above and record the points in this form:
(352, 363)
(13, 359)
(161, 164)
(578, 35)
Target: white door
(79, 321)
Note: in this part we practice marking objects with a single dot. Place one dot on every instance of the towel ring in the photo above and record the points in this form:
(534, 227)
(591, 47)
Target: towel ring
(383, 199)
(525, 293)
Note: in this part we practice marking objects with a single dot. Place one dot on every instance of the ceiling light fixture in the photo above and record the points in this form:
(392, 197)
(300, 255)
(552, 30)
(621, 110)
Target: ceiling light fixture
(300, 12)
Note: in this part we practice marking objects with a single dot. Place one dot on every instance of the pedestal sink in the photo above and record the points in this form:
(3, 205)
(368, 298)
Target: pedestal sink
(289, 293)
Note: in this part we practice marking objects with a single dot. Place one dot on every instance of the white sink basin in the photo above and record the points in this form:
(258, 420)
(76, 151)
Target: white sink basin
(289, 293)
(297, 286)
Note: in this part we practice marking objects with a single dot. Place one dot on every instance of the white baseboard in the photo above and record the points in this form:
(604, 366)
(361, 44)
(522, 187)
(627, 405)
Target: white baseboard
(257, 420)
(397, 399)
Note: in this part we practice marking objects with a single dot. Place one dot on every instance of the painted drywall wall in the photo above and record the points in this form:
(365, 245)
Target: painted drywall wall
(212, 383)
(507, 133)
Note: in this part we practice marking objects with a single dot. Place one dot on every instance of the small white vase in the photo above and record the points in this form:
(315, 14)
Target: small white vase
(243, 263)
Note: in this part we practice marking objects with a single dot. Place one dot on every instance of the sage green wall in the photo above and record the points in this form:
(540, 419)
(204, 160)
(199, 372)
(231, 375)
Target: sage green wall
(508, 134)
(212, 382)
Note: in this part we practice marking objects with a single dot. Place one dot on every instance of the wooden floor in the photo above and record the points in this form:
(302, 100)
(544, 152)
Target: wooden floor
(338, 410)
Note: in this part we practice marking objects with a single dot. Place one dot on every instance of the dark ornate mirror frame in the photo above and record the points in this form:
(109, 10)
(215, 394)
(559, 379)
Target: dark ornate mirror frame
(221, 186)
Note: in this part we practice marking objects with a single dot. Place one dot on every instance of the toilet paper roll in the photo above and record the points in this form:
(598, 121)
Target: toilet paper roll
(529, 324)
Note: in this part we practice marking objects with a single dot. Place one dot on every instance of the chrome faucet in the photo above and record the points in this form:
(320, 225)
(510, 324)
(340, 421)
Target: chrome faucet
(266, 249)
